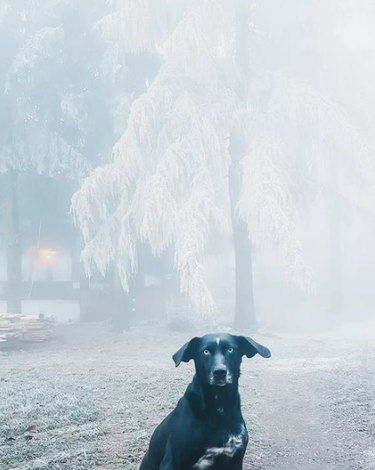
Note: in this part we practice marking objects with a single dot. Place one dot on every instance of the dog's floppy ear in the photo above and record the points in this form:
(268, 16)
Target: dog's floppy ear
(249, 347)
(186, 352)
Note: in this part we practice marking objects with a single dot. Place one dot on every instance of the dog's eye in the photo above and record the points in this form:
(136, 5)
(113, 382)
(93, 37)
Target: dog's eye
(206, 352)
(230, 350)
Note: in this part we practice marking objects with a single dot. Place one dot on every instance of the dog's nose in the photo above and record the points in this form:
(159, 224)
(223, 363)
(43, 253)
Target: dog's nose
(220, 373)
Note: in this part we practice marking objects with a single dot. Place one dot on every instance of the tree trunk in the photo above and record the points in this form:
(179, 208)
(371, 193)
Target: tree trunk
(333, 199)
(335, 243)
(244, 316)
(121, 305)
(13, 245)
(244, 300)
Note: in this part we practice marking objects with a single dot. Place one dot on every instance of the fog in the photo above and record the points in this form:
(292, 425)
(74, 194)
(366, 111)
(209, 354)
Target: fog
(181, 167)
(78, 82)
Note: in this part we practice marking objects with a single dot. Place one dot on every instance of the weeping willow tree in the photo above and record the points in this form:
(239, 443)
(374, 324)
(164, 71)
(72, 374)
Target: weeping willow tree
(201, 153)
(168, 182)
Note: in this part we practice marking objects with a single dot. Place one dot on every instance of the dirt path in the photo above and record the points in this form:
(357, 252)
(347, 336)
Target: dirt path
(95, 398)
(320, 411)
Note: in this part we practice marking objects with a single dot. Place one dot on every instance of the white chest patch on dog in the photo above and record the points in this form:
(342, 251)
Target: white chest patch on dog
(234, 443)
(218, 341)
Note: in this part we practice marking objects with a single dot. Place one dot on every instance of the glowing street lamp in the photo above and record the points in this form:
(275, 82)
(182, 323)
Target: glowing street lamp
(48, 256)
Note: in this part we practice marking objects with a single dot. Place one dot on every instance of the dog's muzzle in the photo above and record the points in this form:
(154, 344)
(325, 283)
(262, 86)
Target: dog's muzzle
(220, 377)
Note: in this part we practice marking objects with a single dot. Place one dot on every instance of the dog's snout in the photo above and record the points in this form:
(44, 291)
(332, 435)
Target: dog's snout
(220, 373)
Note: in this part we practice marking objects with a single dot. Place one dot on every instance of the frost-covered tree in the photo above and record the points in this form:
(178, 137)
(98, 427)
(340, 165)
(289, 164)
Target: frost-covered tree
(212, 144)
(51, 103)
(302, 99)
(186, 137)
(52, 96)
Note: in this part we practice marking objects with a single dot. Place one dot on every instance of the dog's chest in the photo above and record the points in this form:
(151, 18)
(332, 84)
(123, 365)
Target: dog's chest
(221, 447)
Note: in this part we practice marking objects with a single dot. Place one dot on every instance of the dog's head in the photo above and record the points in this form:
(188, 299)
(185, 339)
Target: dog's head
(218, 357)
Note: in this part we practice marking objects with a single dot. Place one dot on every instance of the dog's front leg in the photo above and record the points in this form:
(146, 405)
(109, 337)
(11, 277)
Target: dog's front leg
(168, 462)
(237, 462)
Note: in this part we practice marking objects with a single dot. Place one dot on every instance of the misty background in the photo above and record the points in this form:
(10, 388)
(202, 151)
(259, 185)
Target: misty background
(196, 147)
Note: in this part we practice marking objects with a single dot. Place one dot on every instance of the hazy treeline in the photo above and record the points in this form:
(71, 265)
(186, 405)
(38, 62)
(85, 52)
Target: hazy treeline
(231, 139)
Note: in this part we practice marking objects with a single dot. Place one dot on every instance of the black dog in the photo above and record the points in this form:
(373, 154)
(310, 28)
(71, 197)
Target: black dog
(206, 430)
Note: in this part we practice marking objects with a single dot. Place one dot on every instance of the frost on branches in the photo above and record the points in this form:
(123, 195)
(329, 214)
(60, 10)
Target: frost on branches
(167, 184)
(40, 103)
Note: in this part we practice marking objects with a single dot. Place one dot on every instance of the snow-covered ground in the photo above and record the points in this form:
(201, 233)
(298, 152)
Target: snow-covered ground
(94, 398)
